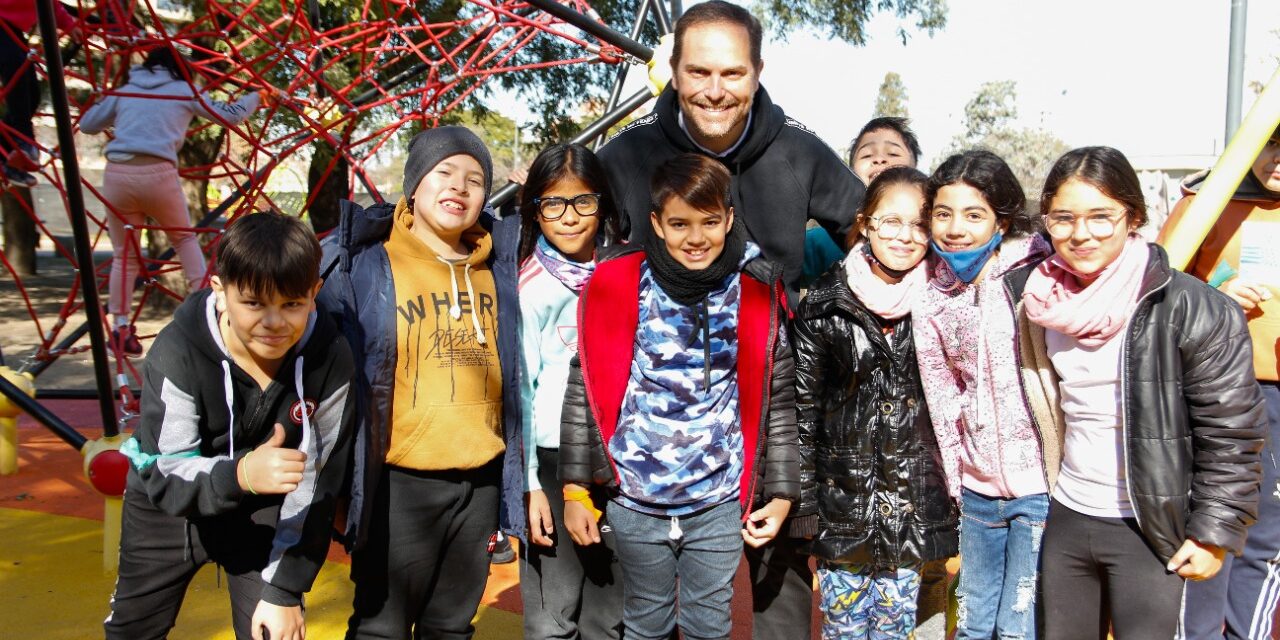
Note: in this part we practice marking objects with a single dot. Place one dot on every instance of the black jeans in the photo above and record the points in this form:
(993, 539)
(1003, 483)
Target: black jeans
(24, 92)
(781, 589)
(569, 591)
(1099, 572)
(423, 570)
(160, 554)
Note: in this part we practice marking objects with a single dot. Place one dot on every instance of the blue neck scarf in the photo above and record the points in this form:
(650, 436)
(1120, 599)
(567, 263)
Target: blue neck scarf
(968, 264)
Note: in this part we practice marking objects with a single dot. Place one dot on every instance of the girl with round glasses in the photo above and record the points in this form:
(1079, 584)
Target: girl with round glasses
(1150, 377)
(883, 508)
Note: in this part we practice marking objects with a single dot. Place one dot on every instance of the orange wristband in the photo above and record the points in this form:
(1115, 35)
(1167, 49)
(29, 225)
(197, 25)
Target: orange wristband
(584, 498)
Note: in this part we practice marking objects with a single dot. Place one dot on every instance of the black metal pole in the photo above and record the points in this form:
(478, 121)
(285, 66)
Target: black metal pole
(40, 413)
(615, 94)
(677, 9)
(596, 128)
(660, 15)
(75, 203)
(594, 28)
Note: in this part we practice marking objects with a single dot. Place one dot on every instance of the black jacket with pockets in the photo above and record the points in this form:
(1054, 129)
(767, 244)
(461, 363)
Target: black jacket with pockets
(1193, 416)
(865, 436)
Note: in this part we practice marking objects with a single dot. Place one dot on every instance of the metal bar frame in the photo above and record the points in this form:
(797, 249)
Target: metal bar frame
(75, 206)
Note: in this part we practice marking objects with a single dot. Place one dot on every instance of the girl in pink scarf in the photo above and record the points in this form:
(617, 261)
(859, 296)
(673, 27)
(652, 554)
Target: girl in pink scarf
(883, 506)
(1080, 303)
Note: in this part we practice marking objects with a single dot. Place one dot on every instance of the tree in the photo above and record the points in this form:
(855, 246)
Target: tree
(892, 99)
(847, 19)
(989, 124)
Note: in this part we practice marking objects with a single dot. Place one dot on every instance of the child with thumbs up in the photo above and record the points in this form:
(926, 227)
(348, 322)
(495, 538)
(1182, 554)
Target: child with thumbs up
(243, 442)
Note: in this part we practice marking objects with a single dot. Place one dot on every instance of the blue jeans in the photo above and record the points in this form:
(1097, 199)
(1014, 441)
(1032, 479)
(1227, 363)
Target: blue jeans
(704, 559)
(1000, 554)
(1245, 592)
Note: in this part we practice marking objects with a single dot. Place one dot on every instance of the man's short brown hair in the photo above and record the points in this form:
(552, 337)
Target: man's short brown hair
(719, 11)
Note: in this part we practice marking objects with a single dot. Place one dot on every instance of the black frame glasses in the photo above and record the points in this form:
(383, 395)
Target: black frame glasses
(554, 207)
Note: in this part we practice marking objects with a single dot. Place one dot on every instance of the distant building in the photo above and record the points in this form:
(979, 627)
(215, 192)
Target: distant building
(1161, 178)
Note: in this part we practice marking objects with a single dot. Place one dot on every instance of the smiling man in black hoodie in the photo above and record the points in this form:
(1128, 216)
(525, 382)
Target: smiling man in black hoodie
(783, 176)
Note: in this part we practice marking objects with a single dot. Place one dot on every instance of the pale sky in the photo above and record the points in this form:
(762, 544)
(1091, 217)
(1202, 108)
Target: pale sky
(1146, 76)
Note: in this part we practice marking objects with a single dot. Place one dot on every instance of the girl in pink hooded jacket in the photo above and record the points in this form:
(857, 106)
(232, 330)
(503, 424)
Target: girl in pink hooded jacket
(992, 450)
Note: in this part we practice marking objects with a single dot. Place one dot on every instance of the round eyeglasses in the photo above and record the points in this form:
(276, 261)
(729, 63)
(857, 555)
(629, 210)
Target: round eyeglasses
(1101, 225)
(553, 207)
(890, 227)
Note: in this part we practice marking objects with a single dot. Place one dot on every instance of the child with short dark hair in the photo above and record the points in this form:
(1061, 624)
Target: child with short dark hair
(682, 402)
(243, 443)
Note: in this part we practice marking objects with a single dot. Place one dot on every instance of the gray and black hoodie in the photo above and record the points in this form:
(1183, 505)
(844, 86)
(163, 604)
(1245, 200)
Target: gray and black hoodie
(201, 413)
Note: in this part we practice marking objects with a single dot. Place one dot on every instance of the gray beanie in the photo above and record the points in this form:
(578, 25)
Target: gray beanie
(428, 148)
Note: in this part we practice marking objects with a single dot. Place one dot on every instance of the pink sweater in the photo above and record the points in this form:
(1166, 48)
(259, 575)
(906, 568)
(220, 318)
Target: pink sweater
(967, 352)
(23, 15)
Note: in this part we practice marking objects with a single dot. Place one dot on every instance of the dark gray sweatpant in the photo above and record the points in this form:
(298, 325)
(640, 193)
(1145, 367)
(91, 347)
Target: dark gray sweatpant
(569, 591)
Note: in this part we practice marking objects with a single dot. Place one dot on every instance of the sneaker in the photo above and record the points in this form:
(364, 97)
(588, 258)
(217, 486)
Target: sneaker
(502, 551)
(19, 178)
(125, 340)
(24, 158)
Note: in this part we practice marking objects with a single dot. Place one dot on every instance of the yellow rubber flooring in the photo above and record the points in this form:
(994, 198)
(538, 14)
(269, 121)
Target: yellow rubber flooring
(52, 587)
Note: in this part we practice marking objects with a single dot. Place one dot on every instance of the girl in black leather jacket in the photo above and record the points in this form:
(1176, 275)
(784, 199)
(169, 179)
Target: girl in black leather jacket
(883, 507)
(1149, 377)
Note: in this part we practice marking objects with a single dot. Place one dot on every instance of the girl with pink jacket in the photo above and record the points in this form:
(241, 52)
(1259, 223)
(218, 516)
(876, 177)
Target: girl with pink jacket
(993, 451)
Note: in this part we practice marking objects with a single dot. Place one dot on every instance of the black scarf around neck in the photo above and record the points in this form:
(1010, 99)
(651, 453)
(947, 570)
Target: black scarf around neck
(689, 287)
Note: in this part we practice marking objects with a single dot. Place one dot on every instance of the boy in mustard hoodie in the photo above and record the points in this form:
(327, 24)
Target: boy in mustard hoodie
(425, 292)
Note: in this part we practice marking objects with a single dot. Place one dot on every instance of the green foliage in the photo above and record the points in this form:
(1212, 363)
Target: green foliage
(892, 99)
(847, 19)
(989, 124)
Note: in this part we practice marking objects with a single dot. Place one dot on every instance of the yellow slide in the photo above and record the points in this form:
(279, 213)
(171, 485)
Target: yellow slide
(1183, 241)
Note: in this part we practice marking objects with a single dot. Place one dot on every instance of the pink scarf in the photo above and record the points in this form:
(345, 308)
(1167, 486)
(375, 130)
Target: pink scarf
(889, 301)
(1055, 299)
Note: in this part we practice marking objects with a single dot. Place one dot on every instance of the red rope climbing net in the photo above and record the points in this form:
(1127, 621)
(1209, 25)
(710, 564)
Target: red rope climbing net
(352, 78)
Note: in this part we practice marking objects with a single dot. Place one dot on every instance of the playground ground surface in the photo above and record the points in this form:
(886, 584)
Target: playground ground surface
(53, 586)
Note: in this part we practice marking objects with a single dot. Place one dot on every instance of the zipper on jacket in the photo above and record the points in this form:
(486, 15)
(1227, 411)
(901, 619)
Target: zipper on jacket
(1022, 387)
(1124, 403)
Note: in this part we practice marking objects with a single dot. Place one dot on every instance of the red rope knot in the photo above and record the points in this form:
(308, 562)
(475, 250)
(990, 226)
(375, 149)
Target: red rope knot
(611, 54)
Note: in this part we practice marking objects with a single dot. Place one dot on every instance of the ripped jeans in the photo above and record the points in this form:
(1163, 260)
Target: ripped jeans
(1000, 553)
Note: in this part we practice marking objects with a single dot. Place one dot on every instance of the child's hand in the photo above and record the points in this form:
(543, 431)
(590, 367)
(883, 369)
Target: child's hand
(1247, 294)
(763, 525)
(271, 468)
(278, 623)
(541, 526)
(1196, 560)
(579, 521)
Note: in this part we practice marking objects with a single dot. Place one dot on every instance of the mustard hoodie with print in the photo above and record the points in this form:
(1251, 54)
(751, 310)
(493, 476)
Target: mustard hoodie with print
(447, 404)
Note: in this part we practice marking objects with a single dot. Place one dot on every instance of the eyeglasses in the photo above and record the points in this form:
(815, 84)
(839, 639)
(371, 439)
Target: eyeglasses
(890, 227)
(553, 207)
(1099, 225)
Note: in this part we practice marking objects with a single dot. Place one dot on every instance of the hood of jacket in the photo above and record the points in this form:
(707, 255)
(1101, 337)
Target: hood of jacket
(1250, 188)
(141, 76)
(767, 120)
